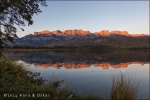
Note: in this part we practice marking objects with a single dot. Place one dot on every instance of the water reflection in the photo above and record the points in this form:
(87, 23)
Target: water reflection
(89, 72)
(104, 65)
(83, 59)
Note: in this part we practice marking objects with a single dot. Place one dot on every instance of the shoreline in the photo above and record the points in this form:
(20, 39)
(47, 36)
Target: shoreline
(71, 49)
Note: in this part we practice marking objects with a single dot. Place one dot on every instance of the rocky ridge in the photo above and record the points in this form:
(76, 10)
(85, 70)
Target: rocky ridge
(44, 38)
(84, 33)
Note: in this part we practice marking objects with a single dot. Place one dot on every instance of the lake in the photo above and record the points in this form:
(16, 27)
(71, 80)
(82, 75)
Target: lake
(88, 72)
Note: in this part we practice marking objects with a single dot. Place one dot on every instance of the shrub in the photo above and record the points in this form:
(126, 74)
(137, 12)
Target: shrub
(124, 88)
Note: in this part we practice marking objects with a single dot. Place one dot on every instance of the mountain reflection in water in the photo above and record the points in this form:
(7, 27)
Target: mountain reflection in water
(83, 59)
(84, 65)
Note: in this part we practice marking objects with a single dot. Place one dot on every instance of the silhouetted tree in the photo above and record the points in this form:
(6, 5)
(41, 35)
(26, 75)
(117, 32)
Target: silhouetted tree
(16, 13)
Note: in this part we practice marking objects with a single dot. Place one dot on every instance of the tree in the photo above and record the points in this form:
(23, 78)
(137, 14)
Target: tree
(16, 13)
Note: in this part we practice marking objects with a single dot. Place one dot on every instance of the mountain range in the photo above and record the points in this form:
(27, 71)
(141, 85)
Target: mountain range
(76, 38)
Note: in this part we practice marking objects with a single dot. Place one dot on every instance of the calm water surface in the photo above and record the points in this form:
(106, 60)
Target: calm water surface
(89, 72)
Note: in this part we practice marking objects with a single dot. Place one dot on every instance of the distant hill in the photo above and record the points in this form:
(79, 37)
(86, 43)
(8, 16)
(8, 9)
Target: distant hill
(82, 38)
(106, 42)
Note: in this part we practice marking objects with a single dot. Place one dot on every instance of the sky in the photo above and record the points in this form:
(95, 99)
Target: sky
(94, 16)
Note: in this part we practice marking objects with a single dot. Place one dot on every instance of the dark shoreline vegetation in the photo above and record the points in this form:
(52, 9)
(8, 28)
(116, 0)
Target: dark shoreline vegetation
(89, 48)
(59, 55)
(15, 79)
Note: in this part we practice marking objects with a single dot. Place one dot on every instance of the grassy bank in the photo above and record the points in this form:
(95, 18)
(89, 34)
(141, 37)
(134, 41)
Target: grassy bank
(15, 80)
